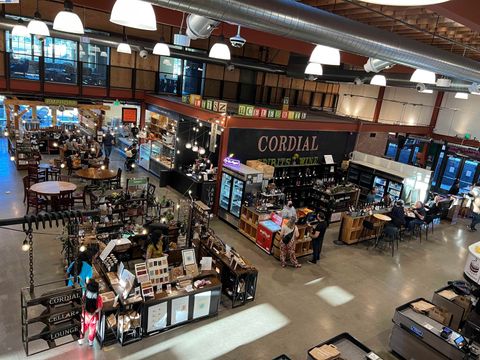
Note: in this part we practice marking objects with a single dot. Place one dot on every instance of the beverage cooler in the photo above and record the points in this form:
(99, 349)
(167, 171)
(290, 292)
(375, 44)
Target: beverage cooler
(381, 184)
(237, 182)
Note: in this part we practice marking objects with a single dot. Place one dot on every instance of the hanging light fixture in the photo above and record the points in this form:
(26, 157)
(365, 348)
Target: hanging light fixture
(36, 26)
(20, 29)
(67, 21)
(195, 148)
(378, 80)
(188, 145)
(25, 245)
(161, 48)
(325, 55)
(135, 14)
(461, 95)
(423, 77)
(123, 47)
(220, 50)
(202, 151)
(405, 2)
(314, 69)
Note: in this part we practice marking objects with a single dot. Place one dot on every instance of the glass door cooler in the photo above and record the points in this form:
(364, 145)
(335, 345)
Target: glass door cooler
(394, 189)
(380, 183)
(238, 181)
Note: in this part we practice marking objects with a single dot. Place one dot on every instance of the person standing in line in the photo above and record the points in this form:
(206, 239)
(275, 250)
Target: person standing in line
(108, 142)
(288, 236)
(288, 211)
(475, 195)
(317, 236)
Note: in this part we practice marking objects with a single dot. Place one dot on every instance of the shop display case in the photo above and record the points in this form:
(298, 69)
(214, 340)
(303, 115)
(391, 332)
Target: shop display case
(144, 155)
(303, 245)
(238, 182)
(163, 154)
(334, 200)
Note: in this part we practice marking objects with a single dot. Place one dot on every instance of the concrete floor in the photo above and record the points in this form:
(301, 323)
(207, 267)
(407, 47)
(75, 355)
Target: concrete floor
(351, 290)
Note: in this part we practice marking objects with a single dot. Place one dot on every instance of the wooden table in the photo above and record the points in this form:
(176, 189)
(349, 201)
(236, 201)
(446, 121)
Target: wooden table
(49, 188)
(382, 217)
(96, 174)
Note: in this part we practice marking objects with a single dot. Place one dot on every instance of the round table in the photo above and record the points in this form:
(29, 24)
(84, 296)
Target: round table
(48, 188)
(44, 166)
(96, 174)
(382, 217)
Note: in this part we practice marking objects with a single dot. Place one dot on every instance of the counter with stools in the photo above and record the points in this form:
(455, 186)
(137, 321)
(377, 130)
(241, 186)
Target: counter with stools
(355, 228)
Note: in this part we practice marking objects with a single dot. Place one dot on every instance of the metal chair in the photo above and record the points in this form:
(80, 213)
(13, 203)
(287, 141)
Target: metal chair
(390, 235)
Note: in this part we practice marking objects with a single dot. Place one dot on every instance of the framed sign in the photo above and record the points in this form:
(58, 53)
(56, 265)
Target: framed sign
(129, 115)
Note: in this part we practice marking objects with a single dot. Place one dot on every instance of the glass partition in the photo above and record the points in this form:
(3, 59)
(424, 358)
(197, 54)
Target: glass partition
(467, 175)
(451, 172)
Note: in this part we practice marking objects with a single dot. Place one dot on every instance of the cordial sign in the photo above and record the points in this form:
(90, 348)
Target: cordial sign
(287, 143)
(65, 297)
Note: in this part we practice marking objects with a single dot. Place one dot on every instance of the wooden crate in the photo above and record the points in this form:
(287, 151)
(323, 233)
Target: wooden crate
(267, 170)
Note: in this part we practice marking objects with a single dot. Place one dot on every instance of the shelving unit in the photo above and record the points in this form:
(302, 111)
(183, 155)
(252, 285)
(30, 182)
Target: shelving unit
(336, 202)
(249, 220)
(163, 134)
(303, 246)
(296, 181)
(25, 153)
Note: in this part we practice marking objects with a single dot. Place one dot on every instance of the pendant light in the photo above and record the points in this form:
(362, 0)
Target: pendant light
(135, 14)
(20, 29)
(405, 2)
(123, 47)
(325, 55)
(220, 50)
(161, 48)
(36, 26)
(314, 69)
(378, 80)
(67, 21)
(423, 77)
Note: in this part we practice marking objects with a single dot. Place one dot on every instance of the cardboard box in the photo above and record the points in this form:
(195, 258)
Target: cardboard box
(465, 303)
(267, 170)
(325, 352)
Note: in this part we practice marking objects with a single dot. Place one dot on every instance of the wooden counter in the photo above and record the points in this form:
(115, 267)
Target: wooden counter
(249, 220)
(351, 228)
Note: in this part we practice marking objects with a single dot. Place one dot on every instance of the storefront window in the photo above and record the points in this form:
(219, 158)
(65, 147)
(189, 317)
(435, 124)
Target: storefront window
(170, 70)
(467, 176)
(95, 59)
(451, 172)
(60, 60)
(404, 156)
(23, 56)
(67, 116)
(437, 168)
(193, 77)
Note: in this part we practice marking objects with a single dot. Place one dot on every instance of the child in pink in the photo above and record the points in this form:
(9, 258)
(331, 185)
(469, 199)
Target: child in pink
(92, 305)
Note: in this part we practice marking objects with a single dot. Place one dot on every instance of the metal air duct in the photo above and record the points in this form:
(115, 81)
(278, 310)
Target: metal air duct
(303, 22)
(376, 65)
(200, 27)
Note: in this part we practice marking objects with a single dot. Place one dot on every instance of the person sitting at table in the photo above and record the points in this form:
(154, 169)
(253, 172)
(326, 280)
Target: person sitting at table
(433, 207)
(419, 212)
(371, 196)
(398, 214)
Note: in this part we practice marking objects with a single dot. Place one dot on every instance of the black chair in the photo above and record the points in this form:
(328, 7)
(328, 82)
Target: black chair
(368, 226)
(116, 182)
(151, 203)
(390, 235)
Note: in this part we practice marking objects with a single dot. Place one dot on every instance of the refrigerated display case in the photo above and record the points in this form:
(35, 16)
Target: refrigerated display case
(467, 175)
(380, 183)
(238, 182)
(144, 156)
(394, 189)
(225, 191)
(451, 172)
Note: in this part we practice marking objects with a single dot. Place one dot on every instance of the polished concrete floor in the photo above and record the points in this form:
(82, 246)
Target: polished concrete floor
(351, 290)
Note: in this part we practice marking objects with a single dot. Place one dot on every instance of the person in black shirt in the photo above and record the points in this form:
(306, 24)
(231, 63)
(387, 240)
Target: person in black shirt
(317, 236)
(455, 188)
(398, 214)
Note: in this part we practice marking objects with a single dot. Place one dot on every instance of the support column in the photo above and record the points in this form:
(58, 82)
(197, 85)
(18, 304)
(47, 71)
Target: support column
(54, 115)
(222, 154)
(435, 112)
(378, 106)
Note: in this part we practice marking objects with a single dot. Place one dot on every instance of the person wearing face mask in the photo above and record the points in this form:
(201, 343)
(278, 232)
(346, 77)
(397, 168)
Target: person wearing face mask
(289, 211)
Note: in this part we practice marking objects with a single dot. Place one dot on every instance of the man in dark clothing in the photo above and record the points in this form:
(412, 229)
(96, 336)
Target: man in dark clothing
(108, 142)
(317, 235)
(398, 214)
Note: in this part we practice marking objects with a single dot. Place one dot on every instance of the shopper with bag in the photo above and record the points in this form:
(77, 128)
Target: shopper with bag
(289, 235)
(317, 236)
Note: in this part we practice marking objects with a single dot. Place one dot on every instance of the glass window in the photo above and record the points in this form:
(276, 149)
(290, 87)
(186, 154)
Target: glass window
(170, 70)
(69, 115)
(23, 57)
(95, 59)
(391, 150)
(414, 156)
(60, 60)
(450, 173)
(467, 176)
(193, 77)
(404, 156)
(437, 168)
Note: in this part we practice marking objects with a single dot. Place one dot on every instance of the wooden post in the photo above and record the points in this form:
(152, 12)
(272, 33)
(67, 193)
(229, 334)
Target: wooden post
(54, 115)
(34, 112)
(15, 116)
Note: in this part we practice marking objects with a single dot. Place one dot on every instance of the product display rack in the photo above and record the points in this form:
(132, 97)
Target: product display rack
(163, 148)
(352, 230)
(25, 153)
(249, 220)
(296, 181)
(333, 201)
